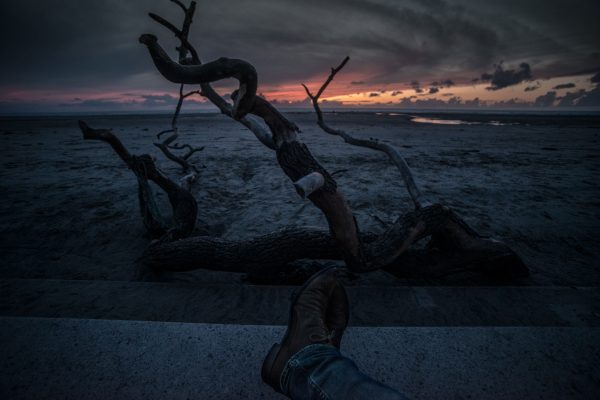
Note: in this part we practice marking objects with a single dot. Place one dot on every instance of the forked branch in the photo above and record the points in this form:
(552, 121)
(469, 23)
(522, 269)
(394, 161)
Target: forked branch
(391, 152)
(206, 89)
(165, 146)
(181, 34)
(182, 202)
(191, 150)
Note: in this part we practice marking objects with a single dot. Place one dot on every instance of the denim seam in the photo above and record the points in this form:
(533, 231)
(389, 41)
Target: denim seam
(293, 363)
(317, 388)
(283, 378)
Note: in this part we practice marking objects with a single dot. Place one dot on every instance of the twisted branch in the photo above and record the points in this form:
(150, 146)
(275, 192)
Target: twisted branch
(219, 69)
(206, 89)
(391, 152)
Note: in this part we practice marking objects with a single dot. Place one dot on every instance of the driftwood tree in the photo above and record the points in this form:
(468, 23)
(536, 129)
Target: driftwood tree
(185, 209)
(453, 246)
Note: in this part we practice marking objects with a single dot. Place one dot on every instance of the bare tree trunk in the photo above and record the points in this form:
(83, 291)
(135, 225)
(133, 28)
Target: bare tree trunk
(297, 162)
(259, 255)
(272, 254)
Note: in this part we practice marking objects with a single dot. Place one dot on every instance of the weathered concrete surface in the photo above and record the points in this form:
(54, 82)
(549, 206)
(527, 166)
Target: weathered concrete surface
(268, 305)
(103, 359)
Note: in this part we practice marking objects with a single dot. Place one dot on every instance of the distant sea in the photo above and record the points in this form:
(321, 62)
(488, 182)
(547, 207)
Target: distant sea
(424, 116)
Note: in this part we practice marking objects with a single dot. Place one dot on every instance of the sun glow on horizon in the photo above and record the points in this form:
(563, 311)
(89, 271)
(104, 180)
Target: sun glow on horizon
(465, 92)
(342, 94)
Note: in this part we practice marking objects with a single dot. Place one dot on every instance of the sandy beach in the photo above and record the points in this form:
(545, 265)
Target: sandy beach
(69, 207)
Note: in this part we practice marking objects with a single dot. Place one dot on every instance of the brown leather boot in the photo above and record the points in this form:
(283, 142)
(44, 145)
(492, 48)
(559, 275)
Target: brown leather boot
(318, 314)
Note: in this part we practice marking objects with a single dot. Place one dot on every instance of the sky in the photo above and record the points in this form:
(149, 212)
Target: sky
(84, 56)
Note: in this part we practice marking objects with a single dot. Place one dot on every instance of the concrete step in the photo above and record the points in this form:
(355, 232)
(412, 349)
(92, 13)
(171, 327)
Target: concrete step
(258, 305)
(77, 359)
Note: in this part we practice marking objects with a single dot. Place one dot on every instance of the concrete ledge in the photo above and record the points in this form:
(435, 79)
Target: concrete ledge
(268, 305)
(100, 359)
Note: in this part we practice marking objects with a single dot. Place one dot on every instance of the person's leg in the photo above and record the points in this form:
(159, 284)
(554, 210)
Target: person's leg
(321, 372)
(307, 364)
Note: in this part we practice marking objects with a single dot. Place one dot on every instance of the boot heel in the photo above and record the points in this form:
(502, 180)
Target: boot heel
(267, 367)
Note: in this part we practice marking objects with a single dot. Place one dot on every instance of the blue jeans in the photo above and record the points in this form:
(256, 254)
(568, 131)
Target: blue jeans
(320, 371)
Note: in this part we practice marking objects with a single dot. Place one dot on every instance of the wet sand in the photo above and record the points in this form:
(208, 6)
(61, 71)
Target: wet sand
(69, 207)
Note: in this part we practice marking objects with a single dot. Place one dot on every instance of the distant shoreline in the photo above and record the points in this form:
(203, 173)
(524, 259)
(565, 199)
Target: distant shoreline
(500, 117)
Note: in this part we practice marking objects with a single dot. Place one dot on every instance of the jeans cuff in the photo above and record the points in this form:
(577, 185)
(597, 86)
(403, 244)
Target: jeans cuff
(294, 362)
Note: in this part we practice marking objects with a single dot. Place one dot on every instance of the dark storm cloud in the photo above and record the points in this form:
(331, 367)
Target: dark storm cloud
(416, 86)
(545, 100)
(502, 78)
(357, 83)
(532, 88)
(69, 43)
(150, 101)
(591, 98)
(374, 94)
(64, 44)
(581, 98)
(455, 101)
(571, 99)
(475, 103)
(94, 103)
(564, 86)
(510, 104)
(433, 90)
(444, 83)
